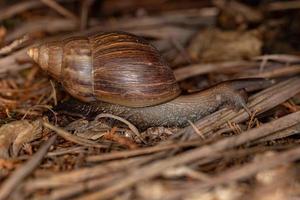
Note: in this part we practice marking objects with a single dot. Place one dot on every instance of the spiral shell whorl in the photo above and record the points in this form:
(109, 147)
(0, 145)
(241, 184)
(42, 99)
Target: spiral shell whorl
(49, 57)
(33, 52)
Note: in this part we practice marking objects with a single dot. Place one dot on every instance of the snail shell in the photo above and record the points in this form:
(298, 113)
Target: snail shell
(114, 67)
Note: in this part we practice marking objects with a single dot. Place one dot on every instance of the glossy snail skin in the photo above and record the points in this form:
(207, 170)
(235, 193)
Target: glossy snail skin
(122, 74)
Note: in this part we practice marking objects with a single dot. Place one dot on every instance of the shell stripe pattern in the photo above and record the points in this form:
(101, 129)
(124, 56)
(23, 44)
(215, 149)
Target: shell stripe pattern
(77, 68)
(129, 71)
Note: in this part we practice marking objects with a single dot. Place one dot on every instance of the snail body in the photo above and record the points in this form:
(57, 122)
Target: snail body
(122, 74)
(174, 113)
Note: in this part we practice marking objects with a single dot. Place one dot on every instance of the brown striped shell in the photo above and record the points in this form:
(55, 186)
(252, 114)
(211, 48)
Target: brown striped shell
(113, 67)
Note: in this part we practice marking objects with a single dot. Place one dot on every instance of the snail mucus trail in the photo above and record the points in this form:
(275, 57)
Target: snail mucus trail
(122, 74)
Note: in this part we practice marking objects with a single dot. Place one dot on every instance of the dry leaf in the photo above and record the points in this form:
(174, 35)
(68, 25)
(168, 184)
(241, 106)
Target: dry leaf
(214, 45)
(154, 135)
(89, 130)
(6, 164)
(16, 134)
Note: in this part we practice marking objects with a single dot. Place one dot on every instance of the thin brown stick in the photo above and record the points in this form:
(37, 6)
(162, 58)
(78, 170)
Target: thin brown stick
(130, 125)
(141, 151)
(70, 150)
(14, 9)
(84, 174)
(196, 130)
(273, 73)
(73, 138)
(282, 134)
(106, 179)
(60, 9)
(121, 140)
(8, 185)
(18, 8)
(53, 25)
(78, 188)
(85, 8)
(69, 178)
(9, 63)
(198, 69)
(286, 5)
(192, 17)
(284, 58)
(15, 44)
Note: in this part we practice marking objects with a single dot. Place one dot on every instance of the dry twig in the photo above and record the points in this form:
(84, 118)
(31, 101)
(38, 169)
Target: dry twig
(60, 9)
(73, 138)
(14, 9)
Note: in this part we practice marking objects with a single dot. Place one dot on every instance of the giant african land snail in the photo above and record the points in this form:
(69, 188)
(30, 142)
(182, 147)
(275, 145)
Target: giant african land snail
(123, 74)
